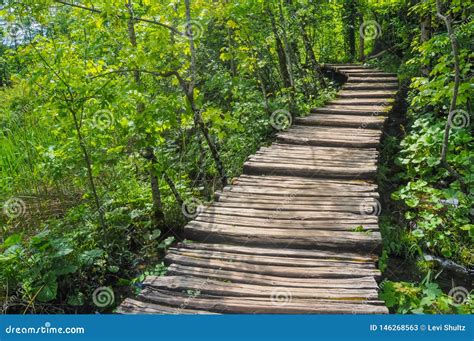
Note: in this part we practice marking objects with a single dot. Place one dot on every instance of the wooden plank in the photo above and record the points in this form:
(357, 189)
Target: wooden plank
(372, 79)
(363, 102)
(364, 108)
(281, 271)
(270, 260)
(370, 86)
(305, 183)
(300, 192)
(323, 150)
(296, 253)
(366, 94)
(368, 73)
(313, 162)
(220, 288)
(342, 120)
(253, 305)
(250, 278)
(130, 306)
(325, 224)
(284, 207)
(309, 171)
(348, 111)
(355, 140)
(294, 200)
(298, 180)
(305, 239)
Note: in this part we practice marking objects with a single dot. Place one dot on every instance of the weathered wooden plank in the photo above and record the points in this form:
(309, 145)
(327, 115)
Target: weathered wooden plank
(372, 79)
(310, 171)
(365, 223)
(356, 141)
(233, 255)
(300, 192)
(130, 306)
(364, 108)
(298, 180)
(356, 111)
(370, 86)
(220, 288)
(342, 120)
(286, 252)
(305, 239)
(289, 206)
(254, 305)
(365, 94)
(313, 162)
(294, 200)
(281, 271)
(364, 102)
(250, 278)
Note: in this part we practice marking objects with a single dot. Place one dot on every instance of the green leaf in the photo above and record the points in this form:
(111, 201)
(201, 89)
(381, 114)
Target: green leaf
(89, 257)
(12, 240)
(76, 299)
(47, 292)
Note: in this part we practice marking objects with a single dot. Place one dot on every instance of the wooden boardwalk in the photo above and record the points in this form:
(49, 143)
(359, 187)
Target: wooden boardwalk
(298, 231)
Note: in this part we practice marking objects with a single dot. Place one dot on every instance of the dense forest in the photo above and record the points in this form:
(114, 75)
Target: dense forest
(121, 119)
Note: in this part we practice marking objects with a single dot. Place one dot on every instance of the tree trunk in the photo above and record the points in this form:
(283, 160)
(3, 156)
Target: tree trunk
(350, 11)
(189, 90)
(361, 40)
(87, 161)
(157, 215)
(457, 80)
(425, 28)
(289, 64)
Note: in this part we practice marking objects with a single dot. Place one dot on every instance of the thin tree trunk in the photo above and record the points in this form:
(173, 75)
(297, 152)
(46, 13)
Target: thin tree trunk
(285, 77)
(88, 163)
(157, 214)
(289, 64)
(351, 13)
(425, 28)
(361, 40)
(457, 79)
(189, 90)
(314, 65)
(172, 186)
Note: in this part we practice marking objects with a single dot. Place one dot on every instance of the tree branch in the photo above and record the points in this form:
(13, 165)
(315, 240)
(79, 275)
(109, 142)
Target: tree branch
(452, 107)
(94, 10)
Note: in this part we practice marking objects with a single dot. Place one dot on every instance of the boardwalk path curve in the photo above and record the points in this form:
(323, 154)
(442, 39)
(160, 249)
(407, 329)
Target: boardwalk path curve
(298, 231)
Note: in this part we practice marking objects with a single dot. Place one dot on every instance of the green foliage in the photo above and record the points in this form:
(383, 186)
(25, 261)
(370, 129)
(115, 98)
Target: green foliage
(423, 298)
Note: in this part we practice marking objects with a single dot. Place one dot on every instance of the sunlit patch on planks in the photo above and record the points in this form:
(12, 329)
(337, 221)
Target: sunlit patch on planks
(298, 231)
